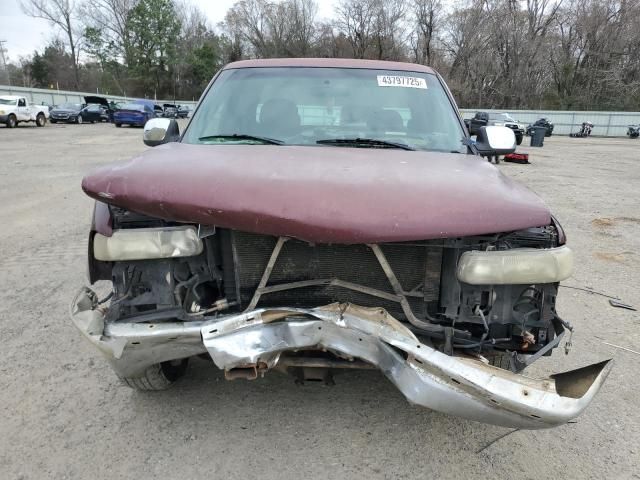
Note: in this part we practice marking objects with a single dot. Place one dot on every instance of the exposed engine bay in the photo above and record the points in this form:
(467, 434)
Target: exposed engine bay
(415, 282)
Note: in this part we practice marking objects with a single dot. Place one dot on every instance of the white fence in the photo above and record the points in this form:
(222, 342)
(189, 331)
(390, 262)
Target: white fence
(606, 124)
(57, 97)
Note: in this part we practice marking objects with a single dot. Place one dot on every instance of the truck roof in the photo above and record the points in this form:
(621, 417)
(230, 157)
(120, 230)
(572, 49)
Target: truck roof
(330, 63)
(11, 97)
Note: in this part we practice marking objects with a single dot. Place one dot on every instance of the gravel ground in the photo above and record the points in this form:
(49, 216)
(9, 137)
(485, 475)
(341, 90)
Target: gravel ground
(63, 414)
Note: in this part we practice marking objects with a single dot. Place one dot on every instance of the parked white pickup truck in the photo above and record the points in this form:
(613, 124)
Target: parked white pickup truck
(14, 110)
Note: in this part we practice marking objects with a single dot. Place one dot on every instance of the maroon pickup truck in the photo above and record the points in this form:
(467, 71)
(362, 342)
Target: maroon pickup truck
(324, 214)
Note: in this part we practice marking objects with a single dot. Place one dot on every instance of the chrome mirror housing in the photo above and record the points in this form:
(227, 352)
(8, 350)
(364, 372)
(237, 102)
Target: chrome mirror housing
(493, 140)
(160, 130)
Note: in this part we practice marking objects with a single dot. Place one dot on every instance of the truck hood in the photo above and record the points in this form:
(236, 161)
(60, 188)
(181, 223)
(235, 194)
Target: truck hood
(321, 194)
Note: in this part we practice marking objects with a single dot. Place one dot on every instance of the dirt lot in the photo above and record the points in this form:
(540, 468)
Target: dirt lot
(63, 414)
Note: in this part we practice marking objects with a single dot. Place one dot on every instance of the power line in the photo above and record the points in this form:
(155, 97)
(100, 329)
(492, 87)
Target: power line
(3, 62)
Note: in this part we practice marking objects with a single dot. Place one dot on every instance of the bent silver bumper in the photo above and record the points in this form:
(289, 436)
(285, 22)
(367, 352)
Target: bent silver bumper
(456, 385)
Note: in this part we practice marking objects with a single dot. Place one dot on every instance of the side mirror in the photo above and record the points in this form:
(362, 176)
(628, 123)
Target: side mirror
(160, 130)
(493, 141)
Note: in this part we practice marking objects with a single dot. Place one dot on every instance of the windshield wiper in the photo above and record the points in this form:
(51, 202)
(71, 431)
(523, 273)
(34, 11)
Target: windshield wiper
(242, 136)
(364, 142)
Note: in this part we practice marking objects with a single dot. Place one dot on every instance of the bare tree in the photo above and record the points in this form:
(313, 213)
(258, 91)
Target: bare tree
(109, 17)
(247, 20)
(390, 32)
(62, 14)
(428, 14)
(272, 29)
(301, 16)
(357, 19)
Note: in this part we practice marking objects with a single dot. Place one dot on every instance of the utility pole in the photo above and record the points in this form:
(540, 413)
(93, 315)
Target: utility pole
(3, 63)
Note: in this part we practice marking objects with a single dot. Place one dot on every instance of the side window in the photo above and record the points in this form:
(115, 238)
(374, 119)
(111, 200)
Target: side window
(22, 102)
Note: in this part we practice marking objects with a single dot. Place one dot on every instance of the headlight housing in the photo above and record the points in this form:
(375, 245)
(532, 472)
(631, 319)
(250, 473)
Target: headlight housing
(516, 266)
(147, 243)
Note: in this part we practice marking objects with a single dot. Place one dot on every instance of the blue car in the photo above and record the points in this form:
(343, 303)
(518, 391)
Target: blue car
(137, 113)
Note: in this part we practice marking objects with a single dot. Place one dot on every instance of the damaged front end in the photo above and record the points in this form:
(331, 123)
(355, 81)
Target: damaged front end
(436, 316)
(251, 343)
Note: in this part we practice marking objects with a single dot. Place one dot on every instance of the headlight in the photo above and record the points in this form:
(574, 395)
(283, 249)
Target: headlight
(516, 266)
(1, 112)
(147, 243)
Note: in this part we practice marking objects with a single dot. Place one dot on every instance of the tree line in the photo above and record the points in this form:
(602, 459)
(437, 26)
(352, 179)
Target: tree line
(555, 54)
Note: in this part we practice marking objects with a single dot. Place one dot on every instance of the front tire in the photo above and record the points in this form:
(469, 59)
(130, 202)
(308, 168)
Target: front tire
(79, 119)
(12, 121)
(40, 120)
(518, 140)
(118, 125)
(159, 376)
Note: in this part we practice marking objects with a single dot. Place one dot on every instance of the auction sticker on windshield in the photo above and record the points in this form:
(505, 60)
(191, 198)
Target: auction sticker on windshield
(401, 81)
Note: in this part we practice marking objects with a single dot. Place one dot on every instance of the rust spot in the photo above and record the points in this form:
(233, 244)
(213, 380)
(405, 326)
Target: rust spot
(248, 372)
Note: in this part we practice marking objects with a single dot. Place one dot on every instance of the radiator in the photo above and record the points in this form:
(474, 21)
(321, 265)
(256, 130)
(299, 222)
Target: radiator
(417, 266)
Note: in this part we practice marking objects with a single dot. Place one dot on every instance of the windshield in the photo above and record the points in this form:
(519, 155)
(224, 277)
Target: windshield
(304, 106)
(70, 106)
(7, 101)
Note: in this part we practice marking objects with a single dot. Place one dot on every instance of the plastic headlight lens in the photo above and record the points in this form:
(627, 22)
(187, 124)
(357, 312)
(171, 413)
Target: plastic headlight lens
(516, 266)
(147, 243)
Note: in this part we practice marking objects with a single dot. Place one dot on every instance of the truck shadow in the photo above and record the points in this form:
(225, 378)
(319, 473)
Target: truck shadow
(362, 404)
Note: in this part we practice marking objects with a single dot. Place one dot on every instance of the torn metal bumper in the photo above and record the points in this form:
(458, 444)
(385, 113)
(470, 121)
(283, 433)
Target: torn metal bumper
(132, 347)
(459, 386)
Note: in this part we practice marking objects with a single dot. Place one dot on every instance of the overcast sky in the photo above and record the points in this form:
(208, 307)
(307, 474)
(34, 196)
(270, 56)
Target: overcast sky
(25, 34)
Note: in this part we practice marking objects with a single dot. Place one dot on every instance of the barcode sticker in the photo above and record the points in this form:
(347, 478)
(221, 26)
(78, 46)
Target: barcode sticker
(401, 81)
